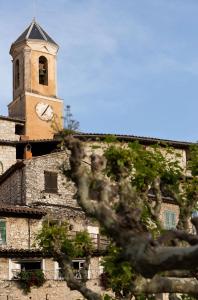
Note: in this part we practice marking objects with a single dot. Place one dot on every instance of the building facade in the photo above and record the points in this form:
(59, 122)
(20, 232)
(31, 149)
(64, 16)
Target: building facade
(32, 186)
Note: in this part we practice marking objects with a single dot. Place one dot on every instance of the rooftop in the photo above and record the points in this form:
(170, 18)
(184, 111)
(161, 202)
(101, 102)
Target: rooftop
(15, 120)
(21, 211)
(34, 32)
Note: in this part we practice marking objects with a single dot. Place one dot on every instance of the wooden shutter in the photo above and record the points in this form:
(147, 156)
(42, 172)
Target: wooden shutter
(169, 219)
(2, 231)
(50, 182)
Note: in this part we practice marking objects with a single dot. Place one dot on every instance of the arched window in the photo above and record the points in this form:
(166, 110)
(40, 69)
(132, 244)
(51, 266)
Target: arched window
(43, 70)
(17, 74)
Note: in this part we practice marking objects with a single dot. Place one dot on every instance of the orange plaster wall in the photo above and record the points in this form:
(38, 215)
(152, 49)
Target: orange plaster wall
(47, 90)
(37, 128)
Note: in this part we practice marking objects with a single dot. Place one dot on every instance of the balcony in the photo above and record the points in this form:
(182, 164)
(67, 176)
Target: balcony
(100, 242)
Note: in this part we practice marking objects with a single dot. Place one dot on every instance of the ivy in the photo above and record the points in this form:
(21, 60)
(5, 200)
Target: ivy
(27, 279)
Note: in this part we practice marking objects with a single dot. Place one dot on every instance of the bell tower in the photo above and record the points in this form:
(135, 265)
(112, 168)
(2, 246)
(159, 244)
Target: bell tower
(35, 98)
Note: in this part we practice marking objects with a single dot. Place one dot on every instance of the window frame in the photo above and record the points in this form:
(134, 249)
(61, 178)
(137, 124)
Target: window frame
(43, 78)
(47, 188)
(170, 224)
(77, 275)
(3, 241)
(13, 272)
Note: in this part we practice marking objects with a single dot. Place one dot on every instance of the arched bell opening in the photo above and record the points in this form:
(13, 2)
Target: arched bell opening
(43, 70)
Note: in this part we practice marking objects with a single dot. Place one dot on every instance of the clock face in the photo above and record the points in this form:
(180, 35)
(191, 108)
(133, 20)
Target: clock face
(44, 111)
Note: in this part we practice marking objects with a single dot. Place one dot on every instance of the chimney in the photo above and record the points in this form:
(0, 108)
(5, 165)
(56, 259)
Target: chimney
(27, 152)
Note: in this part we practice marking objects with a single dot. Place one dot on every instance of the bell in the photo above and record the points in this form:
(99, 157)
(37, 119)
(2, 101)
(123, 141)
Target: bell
(42, 72)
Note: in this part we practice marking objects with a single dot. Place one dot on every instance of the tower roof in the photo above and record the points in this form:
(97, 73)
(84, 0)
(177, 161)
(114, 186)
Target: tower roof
(34, 32)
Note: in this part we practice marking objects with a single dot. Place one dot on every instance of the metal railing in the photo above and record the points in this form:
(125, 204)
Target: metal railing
(55, 274)
(99, 242)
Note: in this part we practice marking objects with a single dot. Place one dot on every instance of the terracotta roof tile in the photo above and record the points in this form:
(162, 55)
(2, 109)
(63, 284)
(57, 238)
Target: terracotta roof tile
(18, 211)
(21, 253)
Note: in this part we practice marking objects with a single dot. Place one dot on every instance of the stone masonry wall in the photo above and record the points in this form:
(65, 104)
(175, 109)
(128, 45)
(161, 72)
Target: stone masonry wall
(53, 289)
(12, 189)
(20, 232)
(7, 130)
(35, 181)
(7, 157)
(170, 207)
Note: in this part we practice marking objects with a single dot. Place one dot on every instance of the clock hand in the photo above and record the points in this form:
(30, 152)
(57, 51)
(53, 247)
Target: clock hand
(44, 110)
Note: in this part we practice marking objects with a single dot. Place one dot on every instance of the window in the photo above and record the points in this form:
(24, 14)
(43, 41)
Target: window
(17, 74)
(51, 185)
(43, 70)
(58, 272)
(169, 219)
(16, 266)
(77, 267)
(2, 232)
(19, 129)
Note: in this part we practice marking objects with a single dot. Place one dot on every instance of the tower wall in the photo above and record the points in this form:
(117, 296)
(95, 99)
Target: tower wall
(35, 83)
(36, 128)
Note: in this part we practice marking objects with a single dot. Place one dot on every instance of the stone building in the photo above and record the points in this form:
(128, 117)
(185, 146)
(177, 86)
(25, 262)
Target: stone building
(32, 186)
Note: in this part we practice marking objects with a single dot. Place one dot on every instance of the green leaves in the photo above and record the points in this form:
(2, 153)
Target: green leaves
(193, 162)
(118, 274)
(53, 237)
(142, 165)
(30, 278)
(187, 297)
(82, 244)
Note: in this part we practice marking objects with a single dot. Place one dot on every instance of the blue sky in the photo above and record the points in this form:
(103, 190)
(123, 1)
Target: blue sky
(124, 66)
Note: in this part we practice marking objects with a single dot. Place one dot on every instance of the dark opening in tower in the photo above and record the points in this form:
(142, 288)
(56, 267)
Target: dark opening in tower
(17, 75)
(43, 70)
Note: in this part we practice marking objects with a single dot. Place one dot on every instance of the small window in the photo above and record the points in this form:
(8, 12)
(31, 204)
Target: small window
(24, 265)
(77, 267)
(19, 129)
(17, 74)
(43, 70)
(58, 272)
(169, 219)
(2, 232)
(51, 185)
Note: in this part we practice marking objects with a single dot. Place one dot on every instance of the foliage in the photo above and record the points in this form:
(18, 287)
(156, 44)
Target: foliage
(193, 162)
(69, 123)
(30, 278)
(52, 236)
(118, 274)
(107, 297)
(135, 173)
(110, 139)
(188, 297)
(82, 244)
(143, 165)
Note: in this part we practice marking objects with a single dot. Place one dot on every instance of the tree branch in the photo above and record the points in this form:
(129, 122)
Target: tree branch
(180, 235)
(166, 285)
